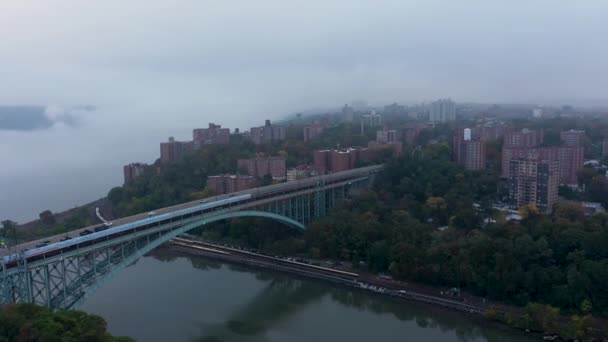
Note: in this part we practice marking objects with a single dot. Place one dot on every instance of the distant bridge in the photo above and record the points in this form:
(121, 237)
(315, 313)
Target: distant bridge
(64, 273)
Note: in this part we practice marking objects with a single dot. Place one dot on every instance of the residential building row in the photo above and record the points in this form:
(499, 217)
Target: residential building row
(330, 161)
(172, 150)
(260, 167)
(213, 135)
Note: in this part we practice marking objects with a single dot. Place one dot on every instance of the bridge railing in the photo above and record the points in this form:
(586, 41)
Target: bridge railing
(221, 202)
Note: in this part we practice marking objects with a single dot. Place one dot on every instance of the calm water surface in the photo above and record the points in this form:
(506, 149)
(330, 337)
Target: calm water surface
(170, 296)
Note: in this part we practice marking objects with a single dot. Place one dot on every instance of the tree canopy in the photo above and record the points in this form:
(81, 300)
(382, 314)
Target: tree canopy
(27, 322)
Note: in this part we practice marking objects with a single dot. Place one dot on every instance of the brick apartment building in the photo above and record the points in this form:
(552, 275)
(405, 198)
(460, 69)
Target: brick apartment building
(311, 131)
(410, 133)
(523, 138)
(376, 147)
(267, 134)
(214, 135)
(259, 167)
(387, 136)
(225, 184)
(329, 161)
(469, 150)
(526, 144)
(533, 181)
(572, 137)
(172, 150)
(132, 171)
(569, 158)
(489, 133)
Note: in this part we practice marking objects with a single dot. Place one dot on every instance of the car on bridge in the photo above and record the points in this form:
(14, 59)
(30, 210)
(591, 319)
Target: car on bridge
(100, 228)
(85, 232)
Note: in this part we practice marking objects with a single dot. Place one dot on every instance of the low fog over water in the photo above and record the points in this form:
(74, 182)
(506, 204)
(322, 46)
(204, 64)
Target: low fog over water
(115, 78)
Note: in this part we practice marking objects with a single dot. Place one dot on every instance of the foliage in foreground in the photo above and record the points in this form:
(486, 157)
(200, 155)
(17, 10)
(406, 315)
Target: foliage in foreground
(28, 322)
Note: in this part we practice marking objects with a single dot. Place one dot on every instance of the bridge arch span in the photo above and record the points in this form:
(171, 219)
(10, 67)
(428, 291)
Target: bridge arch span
(255, 213)
(129, 260)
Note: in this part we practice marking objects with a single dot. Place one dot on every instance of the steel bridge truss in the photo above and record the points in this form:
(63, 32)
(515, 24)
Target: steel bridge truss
(66, 280)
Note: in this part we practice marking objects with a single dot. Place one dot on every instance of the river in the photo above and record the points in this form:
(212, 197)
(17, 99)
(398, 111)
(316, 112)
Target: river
(171, 296)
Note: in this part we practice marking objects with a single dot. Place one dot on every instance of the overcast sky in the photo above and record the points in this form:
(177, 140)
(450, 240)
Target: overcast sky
(158, 68)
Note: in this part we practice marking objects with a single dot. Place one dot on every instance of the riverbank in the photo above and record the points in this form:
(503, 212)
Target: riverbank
(361, 282)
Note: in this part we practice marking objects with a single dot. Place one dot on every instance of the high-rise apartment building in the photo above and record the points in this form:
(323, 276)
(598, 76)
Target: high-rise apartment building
(469, 150)
(569, 158)
(605, 147)
(376, 147)
(410, 134)
(488, 133)
(442, 111)
(329, 161)
(225, 184)
(213, 135)
(573, 137)
(394, 109)
(260, 167)
(132, 171)
(523, 138)
(348, 114)
(370, 120)
(387, 136)
(172, 150)
(313, 130)
(267, 134)
(526, 144)
(516, 145)
(533, 181)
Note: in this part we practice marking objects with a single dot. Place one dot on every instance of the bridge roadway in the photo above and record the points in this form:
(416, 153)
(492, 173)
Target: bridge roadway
(278, 189)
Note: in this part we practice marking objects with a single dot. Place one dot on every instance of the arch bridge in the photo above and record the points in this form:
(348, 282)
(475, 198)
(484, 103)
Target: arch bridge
(65, 272)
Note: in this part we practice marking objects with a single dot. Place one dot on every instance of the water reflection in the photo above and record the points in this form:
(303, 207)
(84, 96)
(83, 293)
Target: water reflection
(284, 296)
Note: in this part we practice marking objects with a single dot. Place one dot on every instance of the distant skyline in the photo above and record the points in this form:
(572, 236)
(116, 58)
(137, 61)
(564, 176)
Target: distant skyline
(155, 69)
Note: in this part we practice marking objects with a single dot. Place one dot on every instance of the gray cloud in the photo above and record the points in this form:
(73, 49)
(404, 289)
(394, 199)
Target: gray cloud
(158, 68)
(31, 118)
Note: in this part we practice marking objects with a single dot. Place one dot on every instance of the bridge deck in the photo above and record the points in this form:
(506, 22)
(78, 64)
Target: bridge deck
(262, 195)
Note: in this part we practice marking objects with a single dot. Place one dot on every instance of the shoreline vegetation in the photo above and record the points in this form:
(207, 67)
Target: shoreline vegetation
(29, 322)
(536, 319)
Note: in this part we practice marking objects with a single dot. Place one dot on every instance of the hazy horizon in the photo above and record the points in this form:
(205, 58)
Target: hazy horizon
(153, 69)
